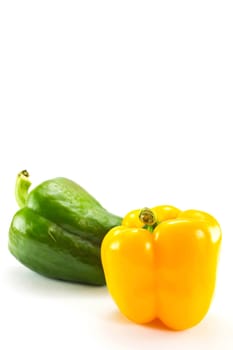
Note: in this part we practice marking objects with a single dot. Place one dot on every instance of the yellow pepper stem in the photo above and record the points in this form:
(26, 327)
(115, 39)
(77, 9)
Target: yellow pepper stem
(148, 218)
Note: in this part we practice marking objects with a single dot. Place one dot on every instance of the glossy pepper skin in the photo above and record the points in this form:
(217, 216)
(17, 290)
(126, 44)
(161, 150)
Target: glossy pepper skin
(161, 263)
(59, 229)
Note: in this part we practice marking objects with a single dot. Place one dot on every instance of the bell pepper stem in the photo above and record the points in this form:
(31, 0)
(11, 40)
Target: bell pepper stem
(21, 188)
(149, 228)
(148, 218)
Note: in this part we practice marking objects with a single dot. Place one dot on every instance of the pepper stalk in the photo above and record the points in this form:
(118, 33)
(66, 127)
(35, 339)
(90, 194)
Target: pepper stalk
(149, 219)
(21, 188)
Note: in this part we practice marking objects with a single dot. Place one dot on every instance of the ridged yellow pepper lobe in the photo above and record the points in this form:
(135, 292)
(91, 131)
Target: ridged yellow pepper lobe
(169, 273)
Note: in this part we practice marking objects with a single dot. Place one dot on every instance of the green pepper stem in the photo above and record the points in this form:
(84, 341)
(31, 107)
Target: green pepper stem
(149, 228)
(21, 188)
(149, 219)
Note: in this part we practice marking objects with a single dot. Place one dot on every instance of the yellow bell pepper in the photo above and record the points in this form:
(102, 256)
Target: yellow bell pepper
(161, 263)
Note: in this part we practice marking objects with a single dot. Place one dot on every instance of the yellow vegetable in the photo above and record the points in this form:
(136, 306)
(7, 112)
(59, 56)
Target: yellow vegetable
(161, 263)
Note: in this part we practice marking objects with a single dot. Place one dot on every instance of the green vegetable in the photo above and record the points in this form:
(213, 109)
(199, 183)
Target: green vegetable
(59, 229)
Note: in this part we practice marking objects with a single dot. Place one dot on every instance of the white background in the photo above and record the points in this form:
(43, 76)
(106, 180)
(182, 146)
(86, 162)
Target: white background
(132, 100)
